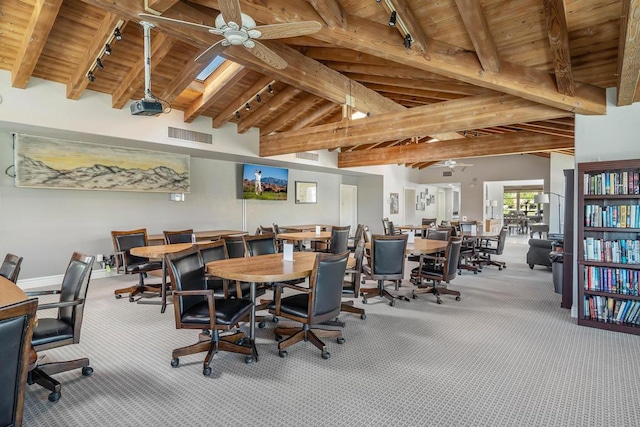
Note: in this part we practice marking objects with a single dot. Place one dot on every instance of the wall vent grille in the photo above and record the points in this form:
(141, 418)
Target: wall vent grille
(447, 173)
(190, 135)
(308, 156)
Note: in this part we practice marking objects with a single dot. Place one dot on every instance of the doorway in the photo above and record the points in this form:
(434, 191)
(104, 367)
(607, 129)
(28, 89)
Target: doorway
(349, 206)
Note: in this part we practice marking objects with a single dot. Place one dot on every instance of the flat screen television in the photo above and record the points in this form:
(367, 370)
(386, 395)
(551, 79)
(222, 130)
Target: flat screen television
(264, 182)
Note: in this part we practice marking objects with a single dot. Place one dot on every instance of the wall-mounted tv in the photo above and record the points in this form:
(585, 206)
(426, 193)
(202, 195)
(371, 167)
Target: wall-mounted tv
(264, 182)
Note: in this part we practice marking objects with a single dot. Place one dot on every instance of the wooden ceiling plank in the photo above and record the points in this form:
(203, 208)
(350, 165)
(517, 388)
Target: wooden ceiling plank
(160, 6)
(449, 116)
(79, 81)
(42, 19)
(303, 105)
(237, 103)
(160, 46)
(478, 29)
(629, 53)
(510, 143)
(277, 101)
(313, 117)
(221, 80)
(408, 18)
(183, 79)
(556, 18)
(331, 12)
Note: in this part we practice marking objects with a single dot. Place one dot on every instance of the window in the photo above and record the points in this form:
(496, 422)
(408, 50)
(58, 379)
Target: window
(209, 69)
(519, 201)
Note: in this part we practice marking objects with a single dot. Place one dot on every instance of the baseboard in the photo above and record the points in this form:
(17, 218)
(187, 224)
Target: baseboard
(574, 311)
(41, 282)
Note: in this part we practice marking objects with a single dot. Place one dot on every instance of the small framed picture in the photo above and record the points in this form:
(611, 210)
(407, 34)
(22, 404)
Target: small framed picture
(422, 206)
(418, 206)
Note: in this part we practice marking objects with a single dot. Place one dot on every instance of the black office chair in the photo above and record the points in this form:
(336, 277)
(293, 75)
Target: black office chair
(320, 302)
(235, 246)
(16, 326)
(65, 328)
(351, 287)
(339, 239)
(196, 308)
(10, 268)
(438, 269)
(491, 246)
(387, 264)
(126, 263)
(357, 237)
(181, 236)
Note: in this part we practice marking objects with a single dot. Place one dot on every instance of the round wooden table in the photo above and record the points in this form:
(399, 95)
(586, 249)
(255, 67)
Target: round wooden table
(301, 236)
(10, 293)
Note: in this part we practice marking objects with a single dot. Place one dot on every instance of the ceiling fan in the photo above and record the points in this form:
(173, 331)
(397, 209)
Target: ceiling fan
(238, 28)
(452, 164)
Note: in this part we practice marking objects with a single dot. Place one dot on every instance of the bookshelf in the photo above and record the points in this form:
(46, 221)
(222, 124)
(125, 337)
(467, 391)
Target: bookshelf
(609, 245)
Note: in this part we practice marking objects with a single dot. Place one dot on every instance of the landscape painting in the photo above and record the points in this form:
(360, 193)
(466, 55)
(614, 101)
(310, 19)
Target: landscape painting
(264, 182)
(44, 162)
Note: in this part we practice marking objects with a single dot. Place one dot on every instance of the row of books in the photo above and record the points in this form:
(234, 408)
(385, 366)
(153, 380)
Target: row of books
(614, 216)
(624, 251)
(614, 280)
(612, 310)
(626, 182)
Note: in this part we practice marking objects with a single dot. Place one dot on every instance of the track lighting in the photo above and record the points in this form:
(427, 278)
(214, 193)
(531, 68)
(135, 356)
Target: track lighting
(270, 89)
(99, 63)
(258, 99)
(237, 114)
(247, 106)
(117, 34)
(392, 19)
(407, 41)
(107, 49)
(91, 77)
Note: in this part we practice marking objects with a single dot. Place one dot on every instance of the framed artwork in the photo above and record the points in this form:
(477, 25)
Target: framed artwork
(306, 192)
(432, 198)
(422, 195)
(428, 201)
(44, 162)
(418, 206)
(395, 203)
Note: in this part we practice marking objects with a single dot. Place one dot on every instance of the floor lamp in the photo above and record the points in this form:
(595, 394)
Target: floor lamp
(544, 198)
(493, 204)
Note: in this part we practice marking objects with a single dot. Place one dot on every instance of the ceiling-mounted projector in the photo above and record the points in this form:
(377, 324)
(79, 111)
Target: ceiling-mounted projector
(146, 107)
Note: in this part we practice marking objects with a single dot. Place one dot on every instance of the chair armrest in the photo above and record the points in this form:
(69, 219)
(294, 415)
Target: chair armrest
(289, 285)
(278, 294)
(210, 302)
(121, 261)
(41, 293)
(60, 304)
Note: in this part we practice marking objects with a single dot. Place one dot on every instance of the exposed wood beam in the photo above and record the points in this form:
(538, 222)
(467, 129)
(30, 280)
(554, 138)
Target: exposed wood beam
(303, 105)
(35, 37)
(559, 42)
(511, 143)
(160, 6)
(79, 82)
(237, 103)
(478, 29)
(314, 116)
(405, 14)
(277, 101)
(450, 87)
(183, 79)
(449, 116)
(382, 70)
(226, 76)
(160, 46)
(331, 12)
(629, 52)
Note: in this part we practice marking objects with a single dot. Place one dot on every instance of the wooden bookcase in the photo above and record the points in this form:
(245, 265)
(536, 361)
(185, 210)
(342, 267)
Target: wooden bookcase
(608, 245)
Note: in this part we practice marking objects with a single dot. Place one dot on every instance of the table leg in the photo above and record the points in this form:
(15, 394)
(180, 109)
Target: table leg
(163, 291)
(252, 319)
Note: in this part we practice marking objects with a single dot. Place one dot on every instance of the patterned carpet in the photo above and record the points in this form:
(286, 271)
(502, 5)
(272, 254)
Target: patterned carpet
(506, 355)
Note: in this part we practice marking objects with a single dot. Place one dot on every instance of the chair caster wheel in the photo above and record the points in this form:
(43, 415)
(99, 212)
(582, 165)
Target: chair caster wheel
(240, 342)
(499, 268)
(475, 272)
(325, 355)
(118, 296)
(439, 301)
(131, 299)
(207, 371)
(283, 353)
(363, 316)
(364, 300)
(392, 303)
(340, 340)
(278, 337)
(531, 266)
(87, 371)
(175, 362)
(261, 325)
(248, 359)
(275, 319)
(457, 298)
(53, 397)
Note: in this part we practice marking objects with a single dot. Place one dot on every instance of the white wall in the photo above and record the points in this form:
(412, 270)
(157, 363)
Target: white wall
(559, 162)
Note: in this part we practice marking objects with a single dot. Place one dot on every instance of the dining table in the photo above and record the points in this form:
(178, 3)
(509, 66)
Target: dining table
(304, 227)
(10, 293)
(301, 236)
(200, 235)
(270, 268)
(421, 246)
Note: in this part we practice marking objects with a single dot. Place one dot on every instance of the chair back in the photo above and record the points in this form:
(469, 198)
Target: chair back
(385, 226)
(326, 283)
(340, 238)
(438, 234)
(264, 230)
(261, 244)
(182, 236)
(276, 228)
(16, 328)
(431, 222)
(10, 268)
(235, 246)
(359, 235)
(187, 272)
(391, 228)
(353, 287)
(502, 237)
(123, 241)
(213, 251)
(387, 257)
(450, 270)
(75, 284)
(468, 226)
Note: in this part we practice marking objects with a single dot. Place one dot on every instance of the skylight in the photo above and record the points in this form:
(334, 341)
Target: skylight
(209, 69)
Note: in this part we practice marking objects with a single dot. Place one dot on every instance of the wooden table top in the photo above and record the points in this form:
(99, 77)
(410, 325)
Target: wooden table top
(158, 251)
(304, 227)
(412, 227)
(305, 235)
(479, 234)
(422, 246)
(10, 293)
(200, 235)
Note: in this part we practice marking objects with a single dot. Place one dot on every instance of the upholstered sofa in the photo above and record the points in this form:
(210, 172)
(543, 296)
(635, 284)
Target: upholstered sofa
(538, 253)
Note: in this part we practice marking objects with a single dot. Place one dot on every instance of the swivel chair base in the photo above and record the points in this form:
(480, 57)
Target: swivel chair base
(42, 374)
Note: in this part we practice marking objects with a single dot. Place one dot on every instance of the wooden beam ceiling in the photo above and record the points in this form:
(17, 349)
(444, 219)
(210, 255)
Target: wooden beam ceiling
(478, 29)
(559, 41)
(629, 53)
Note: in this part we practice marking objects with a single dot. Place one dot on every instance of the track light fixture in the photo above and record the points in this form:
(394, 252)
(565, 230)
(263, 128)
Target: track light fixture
(237, 114)
(117, 34)
(270, 89)
(247, 106)
(392, 19)
(99, 63)
(407, 41)
(107, 49)
(258, 98)
(91, 77)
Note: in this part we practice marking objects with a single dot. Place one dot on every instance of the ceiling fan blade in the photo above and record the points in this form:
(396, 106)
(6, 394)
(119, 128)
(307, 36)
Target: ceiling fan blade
(155, 19)
(230, 10)
(292, 29)
(210, 53)
(267, 55)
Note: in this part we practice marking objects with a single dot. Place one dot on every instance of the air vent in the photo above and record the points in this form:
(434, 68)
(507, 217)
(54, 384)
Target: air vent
(308, 156)
(447, 173)
(190, 135)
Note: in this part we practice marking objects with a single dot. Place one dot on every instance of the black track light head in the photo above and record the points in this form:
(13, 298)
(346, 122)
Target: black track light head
(392, 19)
(270, 89)
(258, 98)
(237, 114)
(107, 49)
(117, 34)
(91, 77)
(247, 106)
(407, 41)
(99, 63)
